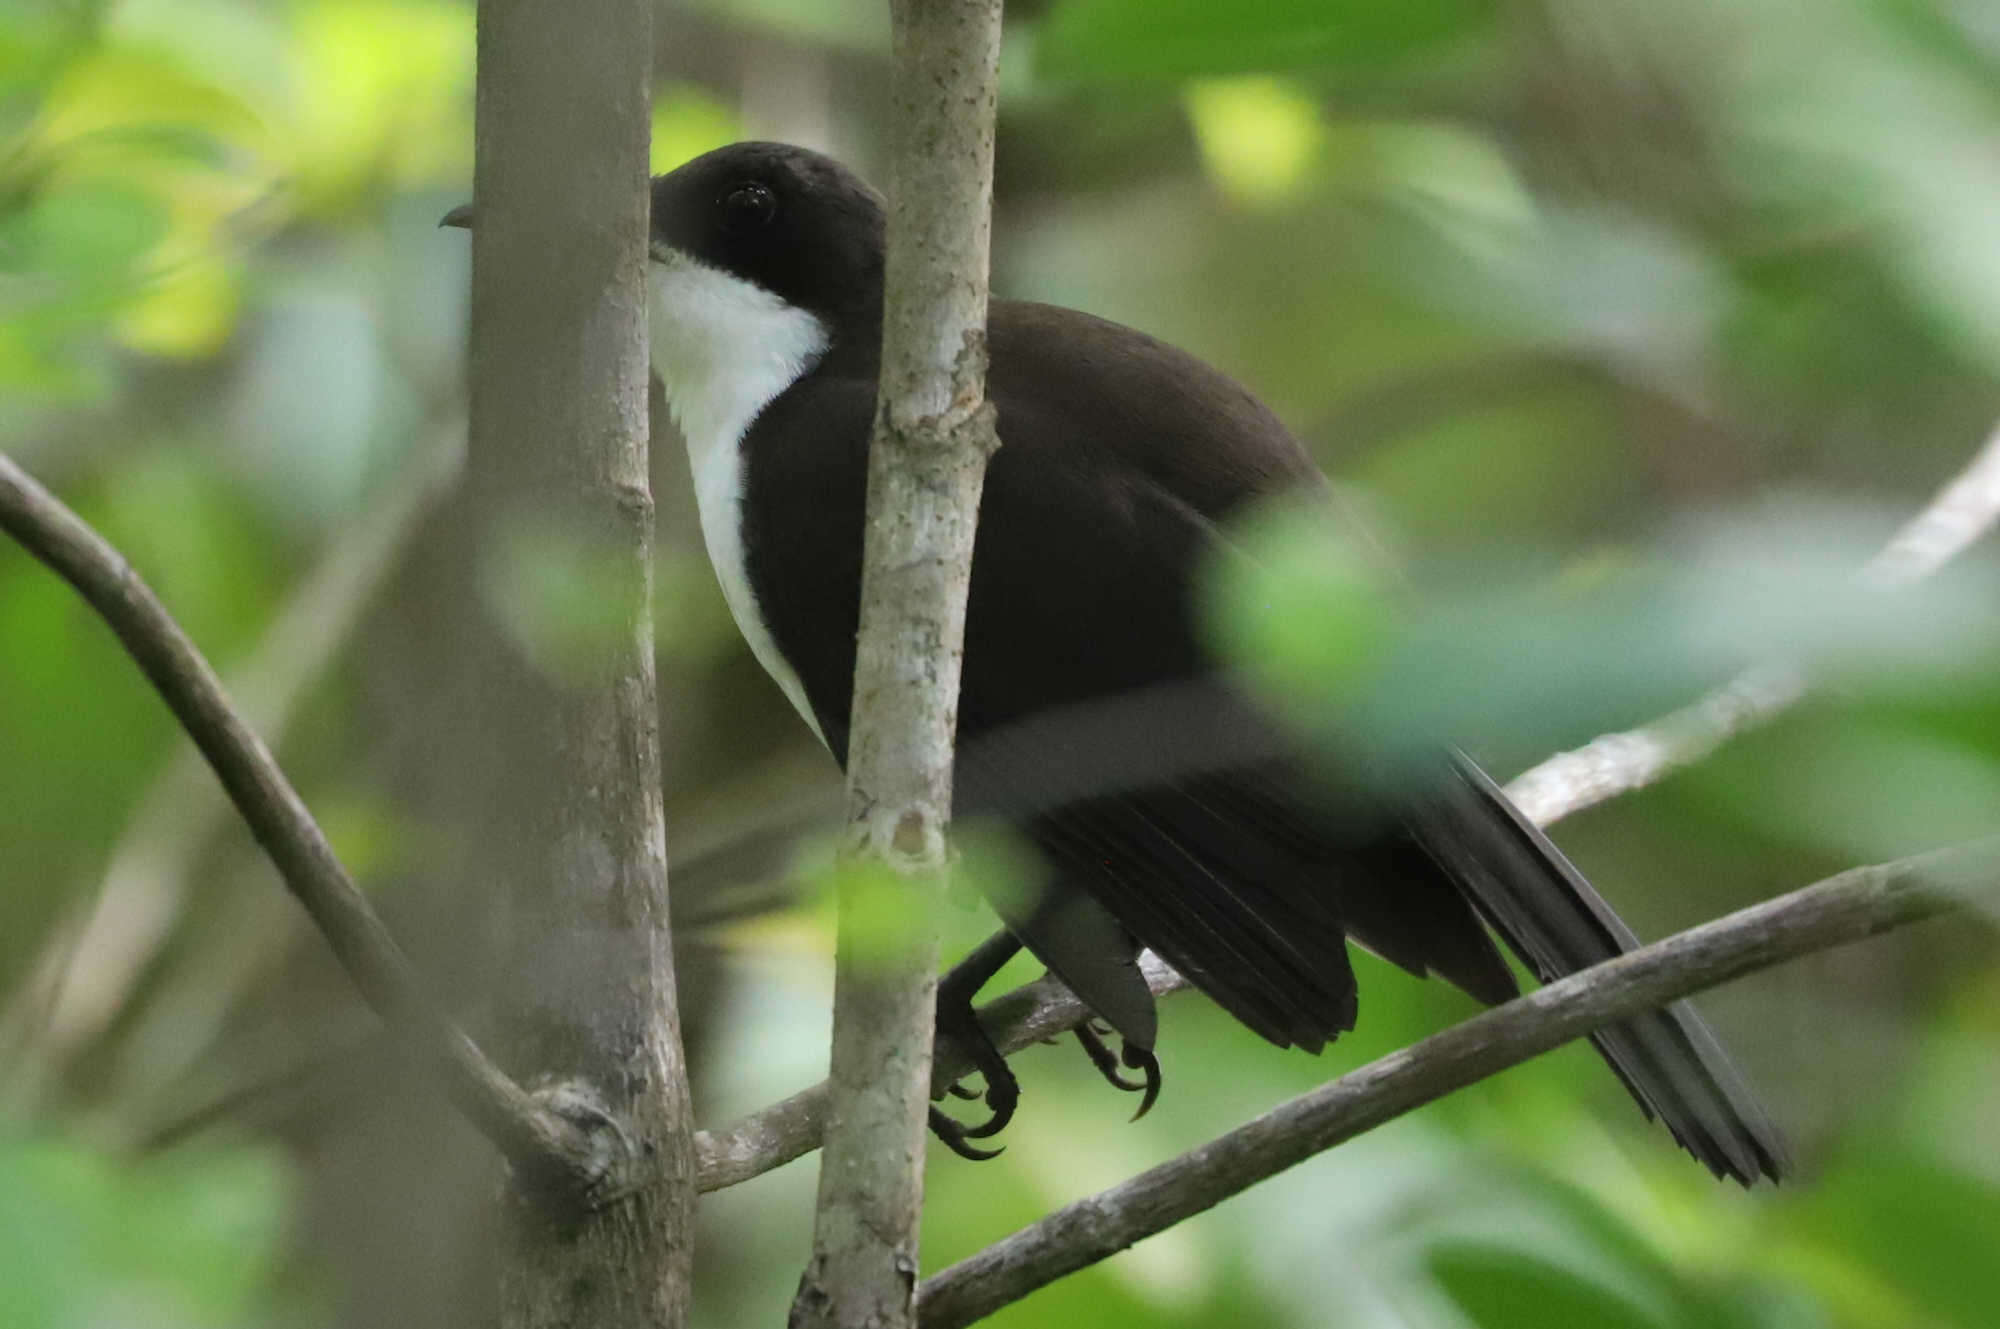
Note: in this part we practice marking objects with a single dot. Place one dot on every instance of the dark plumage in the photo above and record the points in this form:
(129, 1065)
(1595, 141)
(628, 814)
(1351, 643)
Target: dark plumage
(1092, 714)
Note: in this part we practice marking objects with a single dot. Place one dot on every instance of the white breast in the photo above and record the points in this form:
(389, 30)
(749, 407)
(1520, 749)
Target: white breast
(724, 348)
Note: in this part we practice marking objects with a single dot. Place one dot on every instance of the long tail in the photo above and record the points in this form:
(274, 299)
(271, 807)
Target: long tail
(1557, 924)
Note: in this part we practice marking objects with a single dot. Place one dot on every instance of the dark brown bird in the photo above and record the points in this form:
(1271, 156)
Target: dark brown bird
(1171, 813)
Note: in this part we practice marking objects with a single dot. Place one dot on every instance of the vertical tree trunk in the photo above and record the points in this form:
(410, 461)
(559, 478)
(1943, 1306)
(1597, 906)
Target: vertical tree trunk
(573, 841)
(927, 460)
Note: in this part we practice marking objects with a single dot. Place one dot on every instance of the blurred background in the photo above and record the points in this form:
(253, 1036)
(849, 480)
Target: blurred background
(1632, 326)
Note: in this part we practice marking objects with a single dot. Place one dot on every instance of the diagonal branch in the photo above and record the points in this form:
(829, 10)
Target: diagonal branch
(1962, 512)
(548, 1150)
(122, 926)
(1615, 764)
(1842, 909)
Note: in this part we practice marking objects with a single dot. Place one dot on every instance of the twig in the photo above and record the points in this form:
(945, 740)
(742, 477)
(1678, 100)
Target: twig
(121, 926)
(542, 1145)
(933, 432)
(1842, 909)
(1623, 763)
(1615, 764)
(772, 1137)
(1963, 511)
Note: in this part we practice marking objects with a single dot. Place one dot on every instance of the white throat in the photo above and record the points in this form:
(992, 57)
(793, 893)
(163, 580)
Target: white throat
(724, 348)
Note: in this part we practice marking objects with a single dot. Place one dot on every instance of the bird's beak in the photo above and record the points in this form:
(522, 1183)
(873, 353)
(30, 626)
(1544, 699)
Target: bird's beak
(461, 217)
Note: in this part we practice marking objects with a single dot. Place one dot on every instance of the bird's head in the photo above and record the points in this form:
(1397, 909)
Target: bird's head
(793, 223)
(762, 257)
(765, 257)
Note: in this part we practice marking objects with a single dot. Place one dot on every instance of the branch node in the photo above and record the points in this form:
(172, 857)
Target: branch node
(912, 839)
(600, 1165)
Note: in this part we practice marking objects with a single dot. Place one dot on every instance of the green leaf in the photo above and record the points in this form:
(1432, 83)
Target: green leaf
(1927, 1231)
(1510, 1289)
(91, 231)
(1305, 611)
(118, 91)
(1094, 39)
(1259, 135)
(1859, 786)
(383, 91)
(687, 122)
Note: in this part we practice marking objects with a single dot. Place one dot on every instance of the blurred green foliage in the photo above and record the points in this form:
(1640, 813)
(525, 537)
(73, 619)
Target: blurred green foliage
(1116, 39)
(1578, 296)
(187, 1243)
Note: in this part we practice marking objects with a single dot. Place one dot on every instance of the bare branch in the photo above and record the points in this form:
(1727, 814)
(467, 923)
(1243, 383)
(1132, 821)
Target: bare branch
(120, 927)
(1963, 511)
(1623, 763)
(539, 1142)
(772, 1137)
(926, 464)
(1615, 764)
(1842, 909)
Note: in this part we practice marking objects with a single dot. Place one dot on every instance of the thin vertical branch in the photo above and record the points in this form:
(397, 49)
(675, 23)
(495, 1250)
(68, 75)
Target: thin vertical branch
(927, 458)
(565, 795)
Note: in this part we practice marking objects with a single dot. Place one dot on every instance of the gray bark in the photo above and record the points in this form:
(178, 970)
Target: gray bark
(927, 459)
(571, 834)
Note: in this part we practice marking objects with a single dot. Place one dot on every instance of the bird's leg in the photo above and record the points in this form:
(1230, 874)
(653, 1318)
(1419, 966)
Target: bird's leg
(1135, 1058)
(959, 1026)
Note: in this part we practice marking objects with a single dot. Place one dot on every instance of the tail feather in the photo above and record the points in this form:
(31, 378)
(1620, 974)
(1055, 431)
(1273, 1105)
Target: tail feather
(1557, 924)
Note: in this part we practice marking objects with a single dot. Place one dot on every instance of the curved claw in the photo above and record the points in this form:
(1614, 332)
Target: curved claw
(1003, 1095)
(1142, 1059)
(957, 1024)
(1106, 1061)
(955, 1135)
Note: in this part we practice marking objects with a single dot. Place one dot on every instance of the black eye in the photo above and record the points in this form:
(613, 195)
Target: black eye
(748, 205)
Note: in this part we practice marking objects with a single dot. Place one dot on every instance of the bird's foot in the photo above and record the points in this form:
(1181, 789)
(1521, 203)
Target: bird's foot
(959, 1027)
(1133, 1056)
(955, 1137)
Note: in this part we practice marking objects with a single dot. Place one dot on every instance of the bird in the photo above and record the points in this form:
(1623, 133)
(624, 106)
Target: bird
(1172, 813)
